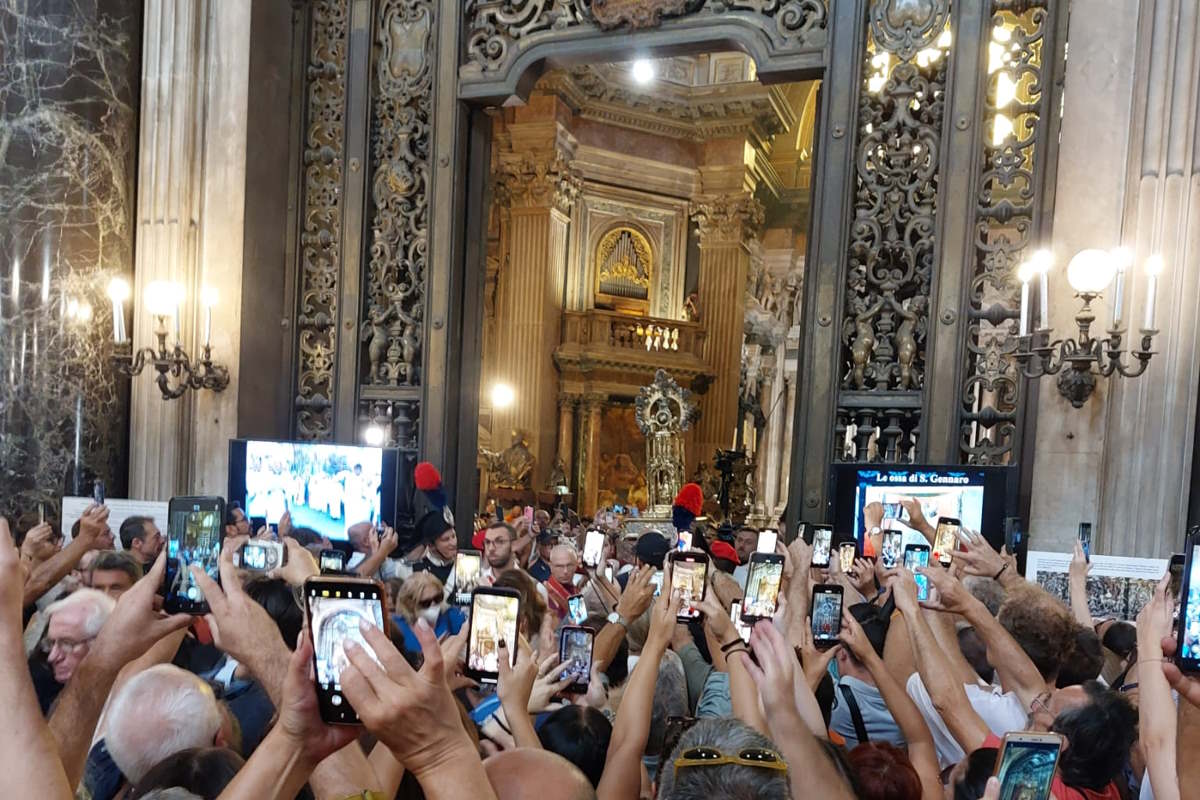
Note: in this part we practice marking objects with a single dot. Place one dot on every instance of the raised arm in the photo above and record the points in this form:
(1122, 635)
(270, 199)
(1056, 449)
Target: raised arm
(946, 693)
(30, 764)
(1156, 711)
(622, 778)
(93, 535)
(1077, 583)
(921, 750)
(383, 548)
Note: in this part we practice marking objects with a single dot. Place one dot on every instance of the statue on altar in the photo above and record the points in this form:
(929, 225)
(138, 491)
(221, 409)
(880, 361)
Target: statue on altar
(664, 410)
(512, 468)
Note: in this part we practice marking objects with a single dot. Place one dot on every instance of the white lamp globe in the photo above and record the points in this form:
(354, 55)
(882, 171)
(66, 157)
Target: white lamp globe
(1091, 271)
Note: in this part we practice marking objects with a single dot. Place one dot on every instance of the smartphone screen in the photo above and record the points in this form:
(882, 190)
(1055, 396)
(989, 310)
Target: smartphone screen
(689, 576)
(826, 614)
(529, 515)
(762, 586)
(822, 544)
(946, 540)
(1012, 534)
(685, 540)
(889, 551)
(333, 561)
(735, 613)
(468, 565)
(766, 542)
(892, 510)
(1175, 569)
(98, 492)
(1026, 765)
(335, 608)
(656, 581)
(1085, 539)
(608, 574)
(593, 548)
(575, 646)
(1188, 657)
(917, 555)
(261, 556)
(194, 526)
(494, 616)
(846, 553)
(577, 609)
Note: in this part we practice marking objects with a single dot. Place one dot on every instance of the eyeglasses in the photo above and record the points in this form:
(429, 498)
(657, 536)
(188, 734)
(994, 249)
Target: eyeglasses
(65, 645)
(711, 757)
(430, 603)
(495, 543)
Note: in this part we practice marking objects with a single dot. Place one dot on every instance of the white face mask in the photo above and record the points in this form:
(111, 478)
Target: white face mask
(430, 615)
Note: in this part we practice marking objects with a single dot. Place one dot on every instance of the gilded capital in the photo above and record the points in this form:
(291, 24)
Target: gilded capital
(729, 218)
(594, 401)
(532, 182)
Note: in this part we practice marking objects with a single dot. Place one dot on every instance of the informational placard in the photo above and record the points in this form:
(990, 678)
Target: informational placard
(1117, 586)
(118, 512)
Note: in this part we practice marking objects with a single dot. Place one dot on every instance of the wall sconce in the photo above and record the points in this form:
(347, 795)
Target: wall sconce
(1089, 273)
(176, 372)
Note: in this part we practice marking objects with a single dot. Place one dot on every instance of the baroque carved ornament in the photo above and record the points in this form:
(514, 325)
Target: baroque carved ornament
(498, 32)
(532, 182)
(320, 237)
(727, 217)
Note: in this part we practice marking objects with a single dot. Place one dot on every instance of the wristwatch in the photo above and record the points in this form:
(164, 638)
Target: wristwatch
(875, 531)
(616, 619)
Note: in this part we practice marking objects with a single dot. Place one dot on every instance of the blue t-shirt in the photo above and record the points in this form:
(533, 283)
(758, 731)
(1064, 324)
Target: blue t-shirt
(448, 624)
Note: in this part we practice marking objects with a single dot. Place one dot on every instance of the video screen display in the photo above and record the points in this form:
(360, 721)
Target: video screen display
(827, 615)
(335, 616)
(326, 487)
(1027, 770)
(193, 537)
(1190, 628)
(974, 495)
(576, 648)
(688, 578)
(493, 619)
(762, 588)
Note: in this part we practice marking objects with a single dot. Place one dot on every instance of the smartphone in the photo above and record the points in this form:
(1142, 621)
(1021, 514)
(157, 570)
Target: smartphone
(1175, 570)
(608, 574)
(576, 609)
(494, 615)
(575, 645)
(945, 540)
(41, 513)
(766, 542)
(1188, 655)
(656, 581)
(889, 550)
(822, 545)
(1026, 763)
(846, 553)
(257, 524)
(529, 516)
(735, 614)
(917, 555)
(593, 549)
(468, 566)
(194, 532)
(689, 575)
(334, 609)
(685, 540)
(259, 555)
(1085, 539)
(892, 510)
(826, 614)
(332, 562)
(762, 587)
(98, 492)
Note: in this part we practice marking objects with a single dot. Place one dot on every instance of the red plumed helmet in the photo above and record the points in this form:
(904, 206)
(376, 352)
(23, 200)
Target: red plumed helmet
(426, 477)
(690, 497)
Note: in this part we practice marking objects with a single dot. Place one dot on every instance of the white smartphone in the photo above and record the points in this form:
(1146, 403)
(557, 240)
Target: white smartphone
(766, 541)
(593, 549)
(735, 613)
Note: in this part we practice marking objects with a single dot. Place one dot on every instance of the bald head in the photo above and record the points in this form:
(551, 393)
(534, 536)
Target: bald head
(359, 535)
(525, 772)
(563, 562)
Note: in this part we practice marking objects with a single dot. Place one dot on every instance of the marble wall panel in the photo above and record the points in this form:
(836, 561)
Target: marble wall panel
(68, 135)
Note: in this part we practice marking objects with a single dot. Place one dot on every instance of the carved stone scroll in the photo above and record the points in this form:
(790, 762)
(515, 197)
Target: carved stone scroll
(320, 238)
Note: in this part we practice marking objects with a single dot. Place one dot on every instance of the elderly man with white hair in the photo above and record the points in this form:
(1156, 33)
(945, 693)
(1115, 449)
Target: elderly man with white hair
(73, 623)
(560, 586)
(158, 713)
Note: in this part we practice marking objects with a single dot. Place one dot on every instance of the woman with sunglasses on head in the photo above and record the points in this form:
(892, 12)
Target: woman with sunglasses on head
(422, 596)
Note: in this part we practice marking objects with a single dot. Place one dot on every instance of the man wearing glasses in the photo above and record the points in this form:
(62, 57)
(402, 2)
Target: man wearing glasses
(74, 622)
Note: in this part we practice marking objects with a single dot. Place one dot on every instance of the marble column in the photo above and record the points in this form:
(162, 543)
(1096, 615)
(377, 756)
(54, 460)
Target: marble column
(785, 473)
(589, 453)
(566, 430)
(68, 135)
(539, 192)
(190, 230)
(724, 223)
(762, 449)
(776, 422)
(1127, 175)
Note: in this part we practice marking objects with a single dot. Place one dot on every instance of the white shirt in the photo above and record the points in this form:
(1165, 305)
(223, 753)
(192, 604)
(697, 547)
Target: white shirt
(1001, 711)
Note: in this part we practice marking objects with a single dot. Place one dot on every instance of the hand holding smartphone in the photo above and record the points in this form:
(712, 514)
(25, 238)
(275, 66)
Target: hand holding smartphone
(575, 654)
(766, 541)
(1026, 763)
(917, 556)
(495, 613)
(826, 614)
(689, 576)
(468, 566)
(332, 562)
(260, 555)
(945, 540)
(1085, 540)
(334, 609)
(593, 549)
(763, 582)
(822, 545)
(194, 534)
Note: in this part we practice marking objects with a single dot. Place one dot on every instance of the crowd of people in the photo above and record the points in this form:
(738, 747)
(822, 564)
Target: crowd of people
(114, 698)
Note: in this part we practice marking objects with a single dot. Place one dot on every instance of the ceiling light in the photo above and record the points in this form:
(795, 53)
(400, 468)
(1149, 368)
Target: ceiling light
(642, 71)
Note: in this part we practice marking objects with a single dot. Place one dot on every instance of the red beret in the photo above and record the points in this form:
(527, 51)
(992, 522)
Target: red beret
(719, 549)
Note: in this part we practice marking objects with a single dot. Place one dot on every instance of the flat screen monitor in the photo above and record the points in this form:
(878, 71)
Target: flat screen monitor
(975, 495)
(326, 487)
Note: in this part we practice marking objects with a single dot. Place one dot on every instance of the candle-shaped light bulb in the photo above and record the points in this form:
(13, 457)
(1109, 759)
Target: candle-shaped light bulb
(1025, 274)
(1042, 261)
(1154, 268)
(118, 292)
(1122, 259)
(208, 298)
